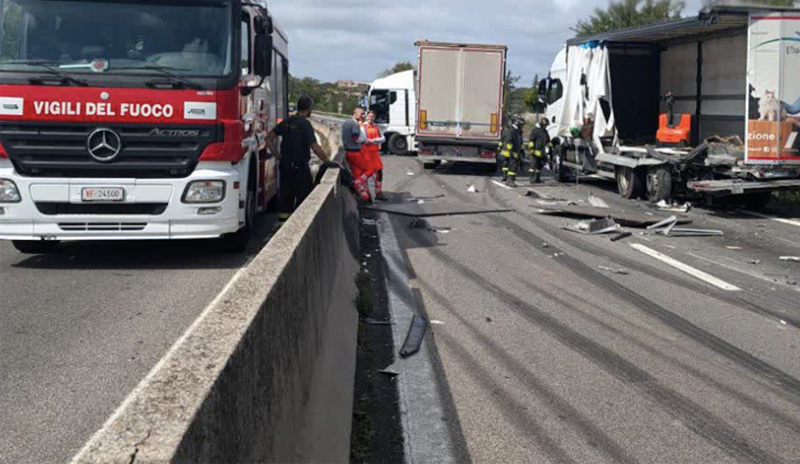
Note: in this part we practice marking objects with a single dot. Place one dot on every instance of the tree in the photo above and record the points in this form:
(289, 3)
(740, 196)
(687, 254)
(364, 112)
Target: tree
(629, 13)
(398, 67)
(532, 102)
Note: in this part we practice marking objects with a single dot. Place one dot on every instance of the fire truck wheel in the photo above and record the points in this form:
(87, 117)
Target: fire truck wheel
(35, 247)
(237, 242)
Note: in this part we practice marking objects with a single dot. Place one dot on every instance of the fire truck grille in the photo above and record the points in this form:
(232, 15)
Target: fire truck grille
(62, 150)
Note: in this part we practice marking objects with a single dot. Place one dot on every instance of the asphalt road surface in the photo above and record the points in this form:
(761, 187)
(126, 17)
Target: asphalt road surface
(81, 327)
(691, 353)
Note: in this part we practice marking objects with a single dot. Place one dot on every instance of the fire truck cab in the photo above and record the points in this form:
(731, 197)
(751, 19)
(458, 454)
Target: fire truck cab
(137, 119)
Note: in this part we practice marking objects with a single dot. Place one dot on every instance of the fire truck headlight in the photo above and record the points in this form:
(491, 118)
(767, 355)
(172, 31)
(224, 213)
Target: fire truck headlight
(205, 191)
(9, 192)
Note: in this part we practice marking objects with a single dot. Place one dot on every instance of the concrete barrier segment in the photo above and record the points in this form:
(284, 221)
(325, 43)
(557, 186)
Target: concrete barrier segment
(266, 373)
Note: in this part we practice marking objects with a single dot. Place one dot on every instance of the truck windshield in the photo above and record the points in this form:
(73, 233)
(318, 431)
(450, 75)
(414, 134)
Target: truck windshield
(190, 38)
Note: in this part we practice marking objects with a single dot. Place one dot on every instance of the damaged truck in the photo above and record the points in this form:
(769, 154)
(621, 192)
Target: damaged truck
(705, 106)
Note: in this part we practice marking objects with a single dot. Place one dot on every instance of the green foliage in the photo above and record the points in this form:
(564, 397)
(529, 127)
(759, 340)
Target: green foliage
(327, 96)
(398, 67)
(621, 14)
(532, 102)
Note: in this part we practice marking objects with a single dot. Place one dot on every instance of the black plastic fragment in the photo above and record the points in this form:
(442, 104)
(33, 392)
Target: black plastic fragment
(416, 333)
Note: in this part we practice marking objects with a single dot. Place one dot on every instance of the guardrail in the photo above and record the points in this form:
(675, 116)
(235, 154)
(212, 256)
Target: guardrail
(266, 373)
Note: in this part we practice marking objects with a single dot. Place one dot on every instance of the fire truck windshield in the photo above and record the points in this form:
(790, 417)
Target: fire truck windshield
(188, 37)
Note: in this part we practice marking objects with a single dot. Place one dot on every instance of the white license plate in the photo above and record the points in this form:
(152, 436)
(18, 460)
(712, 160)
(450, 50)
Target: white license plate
(103, 194)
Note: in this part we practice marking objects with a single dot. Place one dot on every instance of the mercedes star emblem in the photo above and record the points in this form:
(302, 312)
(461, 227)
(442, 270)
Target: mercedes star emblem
(104, 144)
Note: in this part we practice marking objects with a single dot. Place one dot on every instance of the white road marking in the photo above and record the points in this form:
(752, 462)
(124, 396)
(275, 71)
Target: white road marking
(115, 415)
(708, 278)
(500, 184)
(791, 222)
(742, 271)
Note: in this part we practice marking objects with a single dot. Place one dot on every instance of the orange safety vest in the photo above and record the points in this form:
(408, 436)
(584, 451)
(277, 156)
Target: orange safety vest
(372, 133)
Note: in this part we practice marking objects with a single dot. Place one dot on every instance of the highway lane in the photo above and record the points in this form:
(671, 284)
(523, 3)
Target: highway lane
(549, 356)
(81, 327)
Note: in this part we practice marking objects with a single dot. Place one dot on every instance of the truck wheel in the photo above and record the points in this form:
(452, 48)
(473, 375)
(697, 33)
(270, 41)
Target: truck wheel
(398, 145)
(629, 182)
(35, 247)
(659, 184)
(238, 241)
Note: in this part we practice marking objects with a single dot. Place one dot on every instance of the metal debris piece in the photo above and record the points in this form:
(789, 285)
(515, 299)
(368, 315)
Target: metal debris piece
(734, 248)
(754, 261)
(368, 222)
(372, 321)
(409, 173)
(472, 189)
(621, 236)
(684, 232)
(541, 196)
(623, 218)
(597, 202)
(545, 245)
(417, 199)
(594, 227)
(435, 209)
(664, 206)
(621, 271)
(393, 370)
(416, 333)
(795, 259)
(666, 222)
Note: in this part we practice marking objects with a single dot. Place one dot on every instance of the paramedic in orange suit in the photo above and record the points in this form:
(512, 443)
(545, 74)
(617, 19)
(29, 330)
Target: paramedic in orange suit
(372, 152)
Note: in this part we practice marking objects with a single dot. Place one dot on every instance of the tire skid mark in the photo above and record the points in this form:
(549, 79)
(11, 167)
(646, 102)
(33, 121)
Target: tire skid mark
(699, 420)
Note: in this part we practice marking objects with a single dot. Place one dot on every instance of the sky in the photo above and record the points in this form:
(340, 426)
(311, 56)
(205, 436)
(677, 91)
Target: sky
(356, 39)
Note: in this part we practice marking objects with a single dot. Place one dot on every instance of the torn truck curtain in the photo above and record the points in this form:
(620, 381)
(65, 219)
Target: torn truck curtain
(588, 69)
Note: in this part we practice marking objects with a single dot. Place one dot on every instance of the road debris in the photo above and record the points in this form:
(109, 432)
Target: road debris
(545, 245)
(372, 321)
(542, 196)
(594, 227)
(795, 259)
(488, 319)
(598, 202)
(668, 227)
(734, 248)
(754, 261)
(437, 322)
(621, 271)
(416, 333)
(435, 209)
(625, 219)
(472, 189)
(393, 370)
(417, 199)
(422, 224)
(621, 236)
(368, 222)
(409, 173)
(675, 207)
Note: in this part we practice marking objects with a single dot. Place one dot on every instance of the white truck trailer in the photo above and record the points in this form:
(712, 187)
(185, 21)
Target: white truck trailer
(730, 71)
(459, 102)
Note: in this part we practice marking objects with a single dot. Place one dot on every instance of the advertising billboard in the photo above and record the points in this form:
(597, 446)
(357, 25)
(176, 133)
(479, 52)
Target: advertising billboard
(773, 106)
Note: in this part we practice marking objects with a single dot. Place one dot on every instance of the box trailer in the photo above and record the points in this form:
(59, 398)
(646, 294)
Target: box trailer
(714, 83)
(459, 102)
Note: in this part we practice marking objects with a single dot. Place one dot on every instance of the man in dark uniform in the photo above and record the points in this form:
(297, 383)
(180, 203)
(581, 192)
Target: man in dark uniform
(538, 142)
(512, 150)
(297, 141)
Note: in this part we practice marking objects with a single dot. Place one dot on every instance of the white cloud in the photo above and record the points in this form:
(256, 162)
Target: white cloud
(356, 39)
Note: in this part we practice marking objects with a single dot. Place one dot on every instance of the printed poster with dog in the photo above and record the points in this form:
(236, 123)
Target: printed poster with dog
(774, 89)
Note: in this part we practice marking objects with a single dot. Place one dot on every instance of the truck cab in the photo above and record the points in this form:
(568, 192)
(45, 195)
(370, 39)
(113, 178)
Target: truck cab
(137, 119)
(394, 101)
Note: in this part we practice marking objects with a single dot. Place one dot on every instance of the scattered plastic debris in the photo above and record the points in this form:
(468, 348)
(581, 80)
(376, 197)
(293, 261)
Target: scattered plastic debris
(545, 245)
(734, 247)
(423, 224)
(621, 271)
(417, 199)
(754, 261)
(409, 173)
(783, 322)
(597, 202)
(436, 322)
(795, 259)
(420, 202)
(790, 281)
(368, 222)
(541, 196)
(416, 333)
(594, 227)
(472, 189)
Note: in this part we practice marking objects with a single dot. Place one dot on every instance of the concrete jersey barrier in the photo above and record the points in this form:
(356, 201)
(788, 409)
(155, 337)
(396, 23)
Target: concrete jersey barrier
(266, 373)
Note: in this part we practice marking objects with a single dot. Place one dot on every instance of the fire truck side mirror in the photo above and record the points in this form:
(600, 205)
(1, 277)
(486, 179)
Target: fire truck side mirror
(263, 46)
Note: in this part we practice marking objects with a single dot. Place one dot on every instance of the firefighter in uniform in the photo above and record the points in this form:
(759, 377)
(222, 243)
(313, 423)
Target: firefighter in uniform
(298, 140)
(512, 151)
(538, 143)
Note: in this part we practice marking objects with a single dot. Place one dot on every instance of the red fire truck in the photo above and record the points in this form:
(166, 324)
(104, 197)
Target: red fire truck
(137, 119)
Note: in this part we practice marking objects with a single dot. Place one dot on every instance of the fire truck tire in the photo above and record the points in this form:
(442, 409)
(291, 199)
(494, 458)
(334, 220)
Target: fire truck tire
(35, 247)
(398, 144)
(237, 242)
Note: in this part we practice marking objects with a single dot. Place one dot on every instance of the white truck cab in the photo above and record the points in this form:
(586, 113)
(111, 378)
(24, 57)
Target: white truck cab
(394, 100)
(552, 90)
